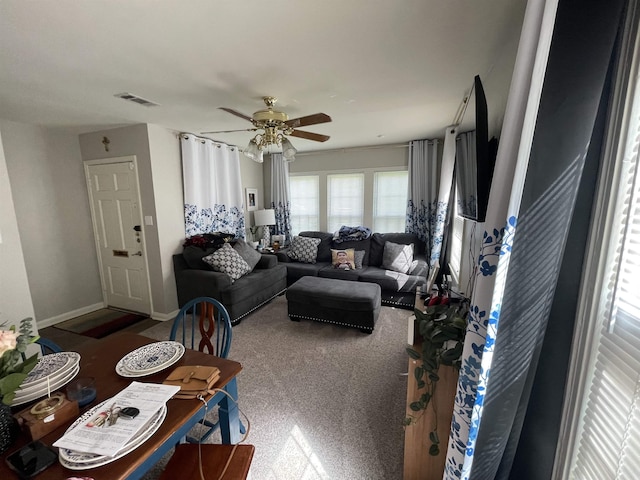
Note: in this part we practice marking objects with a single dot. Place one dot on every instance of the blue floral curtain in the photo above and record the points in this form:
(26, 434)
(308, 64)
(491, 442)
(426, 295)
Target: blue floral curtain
(280, 196)
(424, 175)
(213, 200)
(429, 191)
(493, 262)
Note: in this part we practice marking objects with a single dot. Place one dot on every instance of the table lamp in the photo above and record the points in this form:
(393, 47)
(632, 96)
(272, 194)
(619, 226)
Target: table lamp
(265, 218)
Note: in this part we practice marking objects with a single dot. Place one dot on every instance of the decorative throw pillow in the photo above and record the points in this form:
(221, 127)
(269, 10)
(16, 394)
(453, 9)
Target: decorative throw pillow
(250, 255)
(359, 257)
(343, 259)
(227, 260)
(304, 249)
(397, 257)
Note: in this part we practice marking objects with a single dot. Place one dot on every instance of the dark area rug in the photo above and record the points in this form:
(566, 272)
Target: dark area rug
(101, 323)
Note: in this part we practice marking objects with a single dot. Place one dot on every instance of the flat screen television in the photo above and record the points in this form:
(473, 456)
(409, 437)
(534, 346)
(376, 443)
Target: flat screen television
(475, 171)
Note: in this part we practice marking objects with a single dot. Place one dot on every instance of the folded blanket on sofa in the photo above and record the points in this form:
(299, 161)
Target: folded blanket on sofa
(351, 234)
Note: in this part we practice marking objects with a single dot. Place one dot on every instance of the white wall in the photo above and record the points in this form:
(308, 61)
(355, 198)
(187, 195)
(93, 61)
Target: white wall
(15, 296)
(166, 168)
(252, 175)
(52, 211)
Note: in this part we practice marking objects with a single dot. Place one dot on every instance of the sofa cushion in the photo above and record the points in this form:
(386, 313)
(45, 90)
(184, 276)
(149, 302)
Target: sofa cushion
(343, 259)
(391, 281)
(249, 254)
(364, 245)
(330, 272)
(324, 249)
(296, 270)
(397, 257)
(304, 249)
(227, 260)
(193, 255)
(359, 257)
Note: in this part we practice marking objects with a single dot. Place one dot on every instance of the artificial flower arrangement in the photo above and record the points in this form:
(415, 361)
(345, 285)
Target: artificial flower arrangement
(13, 371)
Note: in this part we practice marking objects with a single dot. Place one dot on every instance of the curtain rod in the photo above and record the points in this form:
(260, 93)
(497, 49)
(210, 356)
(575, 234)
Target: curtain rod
(334, 150)
(462, 109)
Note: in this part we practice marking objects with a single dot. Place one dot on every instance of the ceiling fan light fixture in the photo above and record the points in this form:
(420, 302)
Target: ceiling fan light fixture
(253, 152)
(288, 150)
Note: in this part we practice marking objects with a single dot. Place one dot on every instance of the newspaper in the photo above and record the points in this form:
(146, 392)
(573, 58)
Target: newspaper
(106, 432)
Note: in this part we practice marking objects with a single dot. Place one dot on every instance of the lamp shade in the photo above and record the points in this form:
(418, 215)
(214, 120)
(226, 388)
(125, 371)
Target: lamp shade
(253, 152)
(288, 150)
(264, 217)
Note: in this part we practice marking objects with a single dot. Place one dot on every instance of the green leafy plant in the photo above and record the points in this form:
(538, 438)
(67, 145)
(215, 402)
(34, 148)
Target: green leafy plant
(442, 329)
(13, 371)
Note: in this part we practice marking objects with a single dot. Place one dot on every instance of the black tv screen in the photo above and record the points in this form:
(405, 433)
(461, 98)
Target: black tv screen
(474, 173)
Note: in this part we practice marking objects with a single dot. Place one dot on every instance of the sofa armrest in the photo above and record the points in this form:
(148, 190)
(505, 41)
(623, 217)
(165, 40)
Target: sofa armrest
(283, 257)
(421, 268)
(267, 261)
(191, 283)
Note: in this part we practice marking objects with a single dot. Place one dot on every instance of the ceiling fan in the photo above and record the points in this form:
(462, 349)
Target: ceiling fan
(275, 127)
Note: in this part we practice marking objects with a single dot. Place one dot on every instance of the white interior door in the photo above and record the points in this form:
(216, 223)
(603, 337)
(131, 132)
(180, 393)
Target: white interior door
(117, 219)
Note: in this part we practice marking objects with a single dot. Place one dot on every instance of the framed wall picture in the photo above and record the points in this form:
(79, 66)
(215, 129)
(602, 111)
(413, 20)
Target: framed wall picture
(252, 199)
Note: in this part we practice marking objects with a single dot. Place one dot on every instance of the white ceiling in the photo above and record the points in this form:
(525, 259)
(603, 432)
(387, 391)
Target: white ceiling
(385, 71)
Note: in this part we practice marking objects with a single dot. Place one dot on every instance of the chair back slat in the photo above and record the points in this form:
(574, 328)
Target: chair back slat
(208, 319)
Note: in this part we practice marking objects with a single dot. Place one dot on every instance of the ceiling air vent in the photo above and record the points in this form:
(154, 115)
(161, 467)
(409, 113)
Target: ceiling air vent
(134, 98)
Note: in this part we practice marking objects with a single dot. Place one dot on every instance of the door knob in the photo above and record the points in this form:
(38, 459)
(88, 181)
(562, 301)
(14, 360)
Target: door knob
(137, 228)
(139, 254)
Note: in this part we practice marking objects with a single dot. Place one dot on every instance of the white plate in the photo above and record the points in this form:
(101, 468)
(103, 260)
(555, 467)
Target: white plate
(49, 365)
(123, 371)
(152, 356)
(61, 382)
(147, 431)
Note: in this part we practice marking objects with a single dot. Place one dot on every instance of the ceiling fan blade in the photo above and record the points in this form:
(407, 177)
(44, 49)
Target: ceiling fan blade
(237, 114)
(231, 131)
(316, 137)
(308, 120)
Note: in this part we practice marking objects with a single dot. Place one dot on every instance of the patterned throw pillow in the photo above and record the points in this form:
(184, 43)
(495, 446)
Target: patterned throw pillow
(304, 249)
(397, 257)
(343, 259)
(227, 260)
(359, 257)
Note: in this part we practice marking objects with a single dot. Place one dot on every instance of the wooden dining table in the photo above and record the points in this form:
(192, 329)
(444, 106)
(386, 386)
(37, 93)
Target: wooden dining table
(98, 360)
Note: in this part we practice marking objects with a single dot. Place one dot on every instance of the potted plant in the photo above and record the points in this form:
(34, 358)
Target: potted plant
(13, 370)
(442, 330)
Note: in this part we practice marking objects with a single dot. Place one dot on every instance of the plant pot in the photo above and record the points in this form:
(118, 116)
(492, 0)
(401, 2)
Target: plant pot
(9, 428)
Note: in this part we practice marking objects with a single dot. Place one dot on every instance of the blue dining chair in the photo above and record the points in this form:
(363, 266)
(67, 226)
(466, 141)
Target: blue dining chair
(204, 324)
(48, 346)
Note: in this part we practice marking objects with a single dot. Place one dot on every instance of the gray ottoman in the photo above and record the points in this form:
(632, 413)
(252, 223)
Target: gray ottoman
(343, 302)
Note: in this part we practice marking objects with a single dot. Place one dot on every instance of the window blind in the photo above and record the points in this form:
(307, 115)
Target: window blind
(608, 430)
(390, 201)
(305, 210)
(345, 194)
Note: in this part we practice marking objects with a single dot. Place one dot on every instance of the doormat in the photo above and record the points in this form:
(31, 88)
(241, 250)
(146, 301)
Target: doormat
(100, 323)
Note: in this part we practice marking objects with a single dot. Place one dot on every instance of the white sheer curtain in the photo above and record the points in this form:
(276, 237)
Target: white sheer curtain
(213, 200)
(499, 229)
(280, 195)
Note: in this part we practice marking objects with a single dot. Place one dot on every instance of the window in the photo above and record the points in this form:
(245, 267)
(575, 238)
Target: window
(605, 415)
(345, 194)
(305, 210)
(390, 201)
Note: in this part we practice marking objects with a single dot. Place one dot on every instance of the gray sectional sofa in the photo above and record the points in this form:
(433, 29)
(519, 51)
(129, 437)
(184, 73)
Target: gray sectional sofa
(194, 278)
(398, 289)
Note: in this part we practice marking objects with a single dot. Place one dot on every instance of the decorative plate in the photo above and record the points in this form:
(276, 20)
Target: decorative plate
(42, 384)
(152, 356)
(85, 462)
(53, 386)
(73, 456)
(49, 365)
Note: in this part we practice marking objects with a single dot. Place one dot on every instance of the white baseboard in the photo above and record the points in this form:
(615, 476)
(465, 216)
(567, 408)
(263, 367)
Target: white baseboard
(164, 317)
(48, 322)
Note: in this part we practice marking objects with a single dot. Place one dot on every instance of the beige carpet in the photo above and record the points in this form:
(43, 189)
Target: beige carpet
(324, 402)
